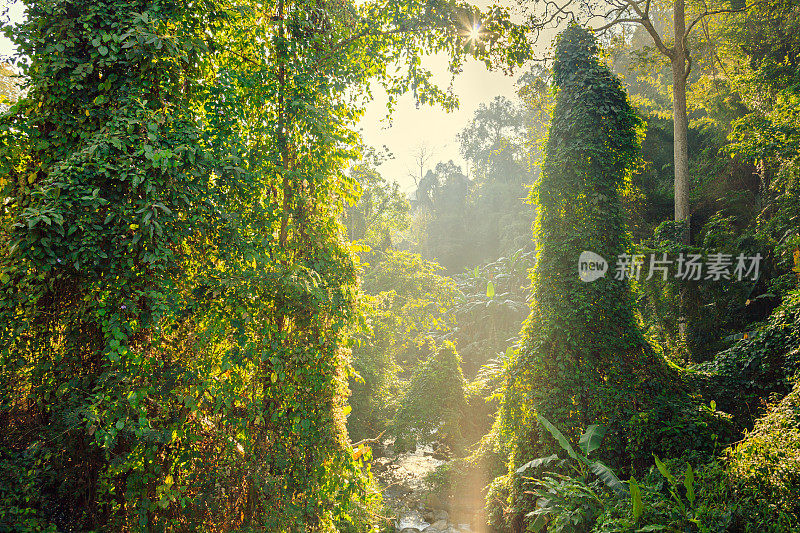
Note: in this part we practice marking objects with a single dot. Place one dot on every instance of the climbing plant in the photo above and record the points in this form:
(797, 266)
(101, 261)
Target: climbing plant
(434, 403)
(106, 187)
(583, 359)
(178, 297)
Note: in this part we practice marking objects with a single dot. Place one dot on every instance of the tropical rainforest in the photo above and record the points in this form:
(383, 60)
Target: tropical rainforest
(218, 314)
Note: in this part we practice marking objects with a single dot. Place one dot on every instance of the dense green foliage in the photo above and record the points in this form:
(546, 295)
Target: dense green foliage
(434, 401)
(103, 167)
(208, 290)
(409, 308)
(178, 298)
(764, 471)
(583, 358)
(746, 375)
(489, 312)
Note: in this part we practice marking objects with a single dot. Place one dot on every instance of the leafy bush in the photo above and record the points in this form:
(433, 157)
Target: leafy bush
(712, 310)
(745, 375)
(571, 503)
(501, 513)
(490, 308)
(765, 470)
(409, 303)
(568, 499)
(22, 475)
(696, 500)
(434, 402)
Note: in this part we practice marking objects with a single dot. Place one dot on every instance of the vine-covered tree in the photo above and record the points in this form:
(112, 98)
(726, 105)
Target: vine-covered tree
(583, 359)
(106, 186)
(177, 297)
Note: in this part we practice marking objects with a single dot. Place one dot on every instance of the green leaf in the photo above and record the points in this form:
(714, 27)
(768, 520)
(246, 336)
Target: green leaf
(560, 438)
(608, 477)
(538, 524)
(654, 527)
(536, 463)
(636, 499)
(664, 470)
(688, 482)
(490, 290)
(592, 438)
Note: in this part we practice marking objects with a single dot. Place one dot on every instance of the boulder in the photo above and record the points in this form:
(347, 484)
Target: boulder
(381, 464)
(436, 527)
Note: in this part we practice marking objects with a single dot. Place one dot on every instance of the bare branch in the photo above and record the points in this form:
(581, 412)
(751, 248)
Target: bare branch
(705, 14)
(669, 52)
(617, 21)
(559, 10)
(619, 13)
(367, 441)
(637, 8)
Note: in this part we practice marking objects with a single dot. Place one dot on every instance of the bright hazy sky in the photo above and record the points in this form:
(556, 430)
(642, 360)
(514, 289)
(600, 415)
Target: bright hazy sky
(411, 127)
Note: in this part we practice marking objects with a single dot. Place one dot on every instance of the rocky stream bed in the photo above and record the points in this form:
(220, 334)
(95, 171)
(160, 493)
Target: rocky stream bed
(416, 508)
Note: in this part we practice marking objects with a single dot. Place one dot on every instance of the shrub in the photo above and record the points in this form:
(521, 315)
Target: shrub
(744, 376)
(434, 402)
(765, 470)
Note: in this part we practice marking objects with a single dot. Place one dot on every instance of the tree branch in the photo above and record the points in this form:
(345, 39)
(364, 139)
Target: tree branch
(367, 441)
(705, 14)
(644, 20)
(617, 21)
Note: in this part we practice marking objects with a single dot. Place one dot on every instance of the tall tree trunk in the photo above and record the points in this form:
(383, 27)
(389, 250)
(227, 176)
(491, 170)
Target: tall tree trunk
(680, 127)
(680, 71)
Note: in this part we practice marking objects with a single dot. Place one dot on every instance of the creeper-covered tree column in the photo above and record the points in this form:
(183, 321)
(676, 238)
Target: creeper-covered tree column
(584, 360)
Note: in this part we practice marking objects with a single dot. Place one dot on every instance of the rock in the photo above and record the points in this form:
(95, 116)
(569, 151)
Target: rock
(434, 516)
(438, 526)
(439, 514)
(433, 501)
(410, 530)
(381, 464)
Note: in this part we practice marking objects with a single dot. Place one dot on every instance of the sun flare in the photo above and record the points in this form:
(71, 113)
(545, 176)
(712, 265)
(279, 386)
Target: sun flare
(475, 32)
